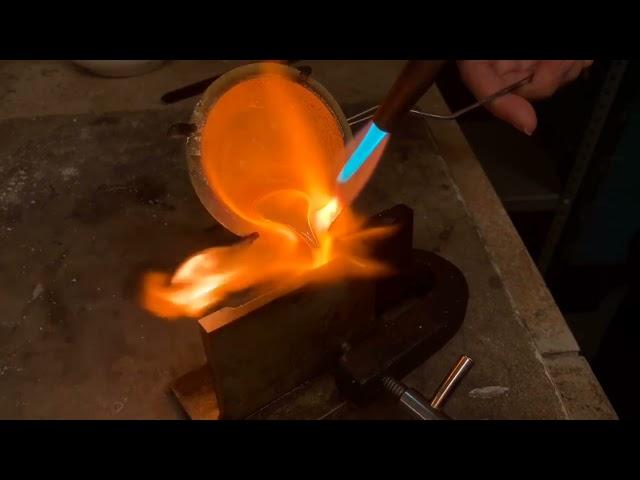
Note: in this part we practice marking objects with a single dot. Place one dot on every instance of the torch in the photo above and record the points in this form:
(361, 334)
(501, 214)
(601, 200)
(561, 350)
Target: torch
(366, 150)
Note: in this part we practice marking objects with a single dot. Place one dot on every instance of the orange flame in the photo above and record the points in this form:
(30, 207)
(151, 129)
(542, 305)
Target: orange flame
(271, 150)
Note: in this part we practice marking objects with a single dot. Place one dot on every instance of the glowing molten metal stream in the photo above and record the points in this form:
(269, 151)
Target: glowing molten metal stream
(271, 150)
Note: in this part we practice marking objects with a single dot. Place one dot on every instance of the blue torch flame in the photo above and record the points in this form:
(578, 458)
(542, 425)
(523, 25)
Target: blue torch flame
(367, 146)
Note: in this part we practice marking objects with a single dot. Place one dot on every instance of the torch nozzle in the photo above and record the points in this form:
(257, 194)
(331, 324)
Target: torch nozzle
(364, 153)
(373, 137)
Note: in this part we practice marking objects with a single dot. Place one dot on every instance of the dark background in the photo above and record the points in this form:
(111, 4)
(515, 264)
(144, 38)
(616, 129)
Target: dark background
(573, 192)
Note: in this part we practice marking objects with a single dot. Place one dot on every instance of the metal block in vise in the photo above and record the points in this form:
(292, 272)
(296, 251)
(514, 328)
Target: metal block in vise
(266, 347)
(405, 340)
(270, 345)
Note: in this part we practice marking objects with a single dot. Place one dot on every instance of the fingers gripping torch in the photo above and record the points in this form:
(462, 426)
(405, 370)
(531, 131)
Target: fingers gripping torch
(364, 153)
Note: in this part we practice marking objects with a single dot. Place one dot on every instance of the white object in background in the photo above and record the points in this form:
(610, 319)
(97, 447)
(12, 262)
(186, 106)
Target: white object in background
(119, 68)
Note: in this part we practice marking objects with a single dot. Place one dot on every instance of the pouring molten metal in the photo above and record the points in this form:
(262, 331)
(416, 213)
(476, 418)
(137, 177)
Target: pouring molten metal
(271, 149)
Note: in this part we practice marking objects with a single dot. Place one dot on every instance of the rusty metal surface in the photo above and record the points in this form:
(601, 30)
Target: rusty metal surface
(262, 348)
(313, 400)
(196, 395)
(411, 335)
(428, 313)
(264, 353)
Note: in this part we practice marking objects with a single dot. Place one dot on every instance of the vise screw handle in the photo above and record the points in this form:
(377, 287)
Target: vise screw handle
(416, 404)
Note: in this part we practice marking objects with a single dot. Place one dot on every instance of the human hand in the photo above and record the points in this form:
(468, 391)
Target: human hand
(485, 77)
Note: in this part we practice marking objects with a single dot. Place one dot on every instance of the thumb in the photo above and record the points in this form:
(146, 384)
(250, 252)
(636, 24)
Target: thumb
(515, 110)
(483, 80)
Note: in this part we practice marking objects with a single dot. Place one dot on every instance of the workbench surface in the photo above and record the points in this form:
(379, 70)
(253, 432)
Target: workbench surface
(94, 193)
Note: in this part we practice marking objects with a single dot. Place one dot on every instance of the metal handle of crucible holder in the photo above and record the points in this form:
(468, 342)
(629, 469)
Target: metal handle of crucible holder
(414, 403)
(370, 112)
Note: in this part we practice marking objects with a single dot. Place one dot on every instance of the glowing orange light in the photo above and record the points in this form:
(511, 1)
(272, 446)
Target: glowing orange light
(271, 150)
